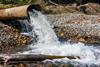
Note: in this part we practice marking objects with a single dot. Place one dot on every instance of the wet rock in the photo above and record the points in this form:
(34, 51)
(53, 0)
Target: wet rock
(39, 64)
(11, 38)
(77, 27)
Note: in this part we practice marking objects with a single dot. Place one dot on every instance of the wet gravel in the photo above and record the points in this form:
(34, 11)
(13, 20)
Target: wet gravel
(77, 27)
(11, 38)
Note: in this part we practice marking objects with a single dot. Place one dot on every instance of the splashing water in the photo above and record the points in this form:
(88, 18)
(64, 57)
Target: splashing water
(48, 43)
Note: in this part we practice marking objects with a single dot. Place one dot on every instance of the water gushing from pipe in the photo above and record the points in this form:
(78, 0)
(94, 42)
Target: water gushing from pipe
(48, 43)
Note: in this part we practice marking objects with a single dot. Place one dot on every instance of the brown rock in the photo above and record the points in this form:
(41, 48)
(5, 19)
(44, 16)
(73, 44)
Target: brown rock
(90, 8)
(52, 9)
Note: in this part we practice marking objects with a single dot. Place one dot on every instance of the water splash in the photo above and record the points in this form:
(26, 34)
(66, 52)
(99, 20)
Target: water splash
(48, 43)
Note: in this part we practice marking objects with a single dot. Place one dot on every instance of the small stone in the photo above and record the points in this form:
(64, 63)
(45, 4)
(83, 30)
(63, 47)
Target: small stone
(61, 34)
(82, 40)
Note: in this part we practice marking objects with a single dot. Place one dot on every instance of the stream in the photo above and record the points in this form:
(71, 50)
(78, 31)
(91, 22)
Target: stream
(49, 44)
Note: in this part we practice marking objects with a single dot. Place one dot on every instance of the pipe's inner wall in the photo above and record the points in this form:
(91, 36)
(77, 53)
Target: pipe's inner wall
(36, 7)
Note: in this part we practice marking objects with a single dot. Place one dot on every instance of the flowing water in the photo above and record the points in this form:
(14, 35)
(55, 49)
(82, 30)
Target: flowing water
(48, 44)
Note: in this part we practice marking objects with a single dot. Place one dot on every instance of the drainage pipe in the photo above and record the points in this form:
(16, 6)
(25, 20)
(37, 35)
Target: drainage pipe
(17, 12)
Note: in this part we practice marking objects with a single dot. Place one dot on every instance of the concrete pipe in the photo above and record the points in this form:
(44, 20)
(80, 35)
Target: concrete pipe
(17, 12)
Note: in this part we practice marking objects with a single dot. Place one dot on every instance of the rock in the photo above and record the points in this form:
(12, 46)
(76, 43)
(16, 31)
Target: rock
(78, 2)
(90, 8)
(11, 38)
(38, 64)
(77, 27)
(52, 9)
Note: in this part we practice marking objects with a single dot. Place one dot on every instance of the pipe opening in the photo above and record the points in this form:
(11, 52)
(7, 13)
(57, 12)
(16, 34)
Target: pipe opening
(36, 7)
(31, 7)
